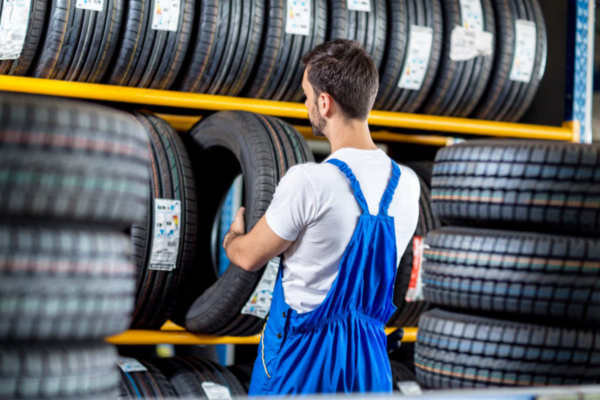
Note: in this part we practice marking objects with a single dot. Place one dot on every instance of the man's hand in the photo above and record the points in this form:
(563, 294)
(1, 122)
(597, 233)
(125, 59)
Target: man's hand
(253, 250)
(237, 228)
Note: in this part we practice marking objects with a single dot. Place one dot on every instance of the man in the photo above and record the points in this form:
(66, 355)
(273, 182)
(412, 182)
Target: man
(341, 241)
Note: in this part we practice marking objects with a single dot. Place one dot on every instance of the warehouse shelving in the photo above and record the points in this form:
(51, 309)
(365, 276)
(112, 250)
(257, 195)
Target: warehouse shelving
(569, 131)
(174, 334)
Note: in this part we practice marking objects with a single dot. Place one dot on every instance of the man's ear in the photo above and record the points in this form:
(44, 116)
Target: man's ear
(326, 104)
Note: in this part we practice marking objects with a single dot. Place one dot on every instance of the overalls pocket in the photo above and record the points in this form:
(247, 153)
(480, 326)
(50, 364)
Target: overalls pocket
(271, 341)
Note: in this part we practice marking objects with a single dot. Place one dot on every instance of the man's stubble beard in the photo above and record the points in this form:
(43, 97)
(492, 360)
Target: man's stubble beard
(317, 122)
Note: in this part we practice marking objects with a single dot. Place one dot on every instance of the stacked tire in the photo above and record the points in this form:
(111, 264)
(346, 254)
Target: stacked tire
(74, 176)
(177, 377)
(529, 297)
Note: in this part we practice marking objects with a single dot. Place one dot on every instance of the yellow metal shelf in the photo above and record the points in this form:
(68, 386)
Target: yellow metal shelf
(183, 123)
(152, 97)
(174, 334)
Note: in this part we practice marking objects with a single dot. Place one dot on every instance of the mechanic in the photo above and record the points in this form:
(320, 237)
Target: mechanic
(342, 227)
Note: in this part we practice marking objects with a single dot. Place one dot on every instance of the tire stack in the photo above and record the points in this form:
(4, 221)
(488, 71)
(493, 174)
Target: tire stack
(74, 177)
(529, 297)
(410, 307)
(261, 148)
(178, 377)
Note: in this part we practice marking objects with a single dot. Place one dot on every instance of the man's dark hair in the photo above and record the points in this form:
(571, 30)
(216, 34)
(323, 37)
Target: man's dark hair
(345, 71)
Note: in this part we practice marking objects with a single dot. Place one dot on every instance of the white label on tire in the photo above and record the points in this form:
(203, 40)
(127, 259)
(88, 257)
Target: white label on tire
(417, 58)
(472, 14)
(525, 44)
(415, 286)
(409, 388)
(130, 364)
(167, 229)
(298, 17)
(93, 5)
(166, 15)
(259, 303)
(13, 28)
(215, 391)
(359, 5)
(466, 44)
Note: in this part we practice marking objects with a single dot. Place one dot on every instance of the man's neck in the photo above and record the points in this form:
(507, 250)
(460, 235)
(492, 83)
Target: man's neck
(354, 134)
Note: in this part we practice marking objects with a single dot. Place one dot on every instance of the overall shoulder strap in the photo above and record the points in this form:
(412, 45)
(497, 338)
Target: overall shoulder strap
(353, 182)
(388, 195)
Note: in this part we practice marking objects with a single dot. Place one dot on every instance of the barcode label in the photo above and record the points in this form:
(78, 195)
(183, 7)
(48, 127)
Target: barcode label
(167, 231)
(13, 28)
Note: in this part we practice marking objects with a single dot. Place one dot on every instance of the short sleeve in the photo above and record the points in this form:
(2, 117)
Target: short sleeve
(294, 205)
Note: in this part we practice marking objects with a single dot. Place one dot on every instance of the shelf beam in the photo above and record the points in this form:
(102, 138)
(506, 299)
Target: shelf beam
(152, 97)
(173, 334)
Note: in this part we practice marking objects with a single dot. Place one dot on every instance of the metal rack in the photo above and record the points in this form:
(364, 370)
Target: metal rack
(174, 334)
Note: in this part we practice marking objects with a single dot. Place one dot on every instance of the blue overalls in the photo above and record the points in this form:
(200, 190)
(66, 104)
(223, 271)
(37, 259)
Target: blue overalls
(341, 345)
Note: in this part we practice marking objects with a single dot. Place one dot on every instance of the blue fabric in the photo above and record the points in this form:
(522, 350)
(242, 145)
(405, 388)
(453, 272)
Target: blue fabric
(341, 345)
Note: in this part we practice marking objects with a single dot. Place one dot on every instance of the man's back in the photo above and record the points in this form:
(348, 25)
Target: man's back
(314, 206)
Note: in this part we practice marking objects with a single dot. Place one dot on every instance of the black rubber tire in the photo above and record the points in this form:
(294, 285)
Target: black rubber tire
(71, 161)
(150, 384)
(401, 373)
(552, 279)
(408, 313)
(186, 375)
(460, 84)
(462, 351)
(35, 28)
(534, 185)
(276, 73)
(59, 371)
(367, 28)
(243, 372)
(166, 294)
(265, 147)
(59, 40)
(150, 58)
(64, 283)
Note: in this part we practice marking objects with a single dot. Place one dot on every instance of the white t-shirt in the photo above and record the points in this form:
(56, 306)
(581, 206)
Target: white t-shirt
(315, 207)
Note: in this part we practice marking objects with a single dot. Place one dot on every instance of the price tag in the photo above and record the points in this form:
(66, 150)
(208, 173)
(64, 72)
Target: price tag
(130, 364)
(359, 5)
(415, 286)
(166, 15)
(298, 17)
(466, 44)
(215, 391)
(260, 301)
(417, 58)
(167, 229)
(409, 388)
(472, 14)
(525, 47)
(13, 28)
(93, 5)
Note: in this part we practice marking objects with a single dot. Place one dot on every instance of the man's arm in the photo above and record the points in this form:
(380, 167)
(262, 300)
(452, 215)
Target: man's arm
(253, 250)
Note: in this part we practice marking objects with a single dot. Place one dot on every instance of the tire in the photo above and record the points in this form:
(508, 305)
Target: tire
(276, 74)
(408, 313)
(522, 275)
(60, 38)
(71, 161)
(59, 371)
(64, 283)
(149, 384)
(35, 28)
(263, 148)
(166, 294)
(460, 84)
(462, 351)
(187, 374)
(534, 185)
(150, 58)
(367, 28)
(243, 372)
(401, 374)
